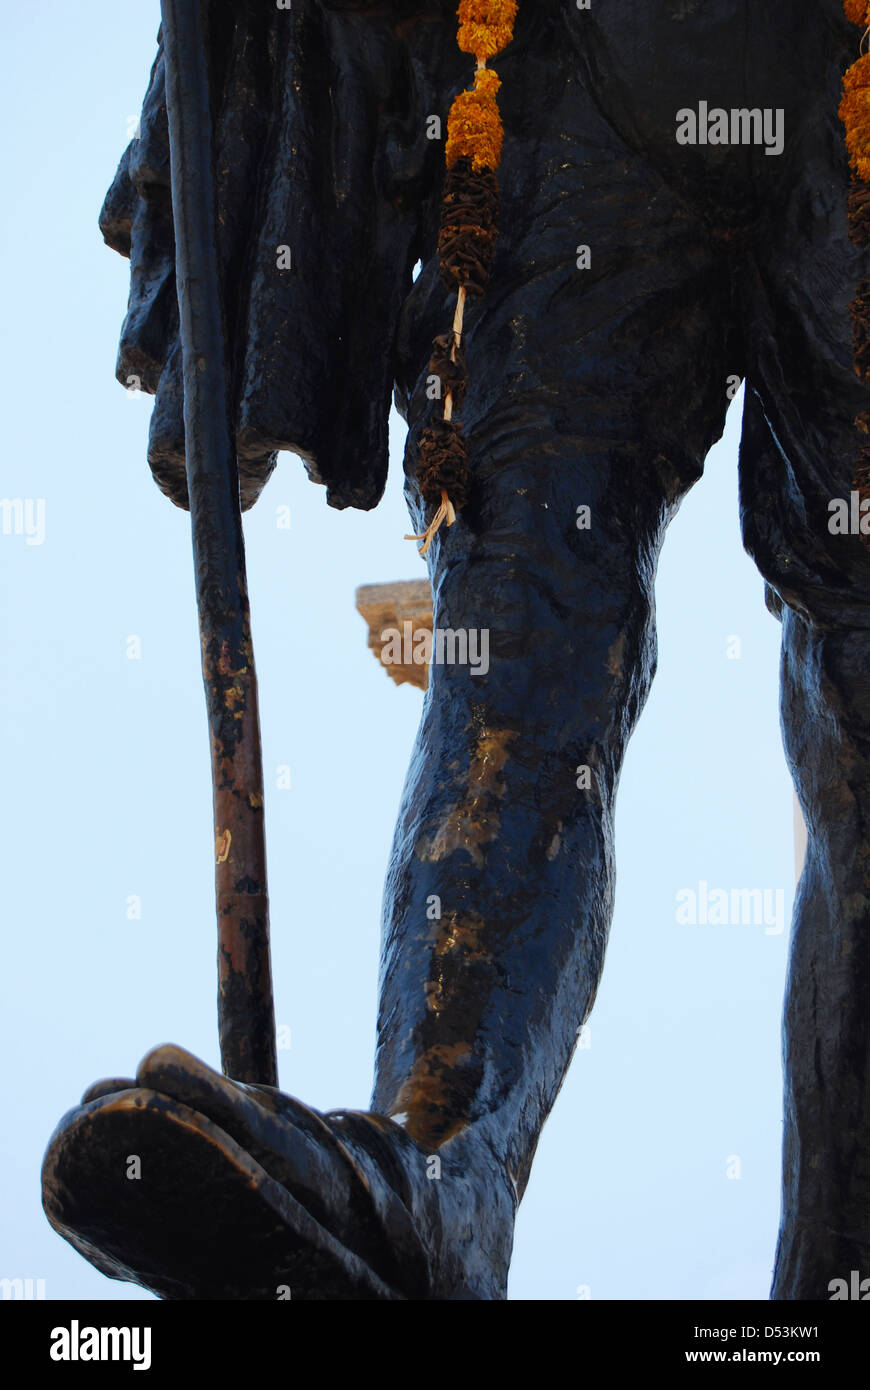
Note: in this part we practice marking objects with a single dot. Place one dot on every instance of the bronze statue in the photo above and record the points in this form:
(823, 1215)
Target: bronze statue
(635, 275)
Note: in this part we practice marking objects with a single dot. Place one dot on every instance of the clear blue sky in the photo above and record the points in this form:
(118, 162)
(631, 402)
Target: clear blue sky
(107, 790)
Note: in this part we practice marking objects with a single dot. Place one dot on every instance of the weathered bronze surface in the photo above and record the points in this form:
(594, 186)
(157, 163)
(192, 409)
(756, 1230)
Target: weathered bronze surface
(600, 388)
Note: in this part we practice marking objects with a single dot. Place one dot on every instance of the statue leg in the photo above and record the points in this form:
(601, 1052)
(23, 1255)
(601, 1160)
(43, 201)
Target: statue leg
(500, 889)
(798, 452)
(826, 1181)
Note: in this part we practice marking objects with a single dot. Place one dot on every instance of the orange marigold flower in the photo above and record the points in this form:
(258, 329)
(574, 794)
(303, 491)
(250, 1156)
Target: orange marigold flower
(486, 26)
(858, 11)
(474, 131)
(854, 112)
(859, 152)
(487, 11)
(858, 75)
(853, 109)
(486, 81)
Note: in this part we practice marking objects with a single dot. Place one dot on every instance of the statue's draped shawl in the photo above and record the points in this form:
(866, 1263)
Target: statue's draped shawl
(320, 149)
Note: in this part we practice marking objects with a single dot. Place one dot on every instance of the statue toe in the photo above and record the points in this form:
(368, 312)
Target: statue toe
(108, 1087)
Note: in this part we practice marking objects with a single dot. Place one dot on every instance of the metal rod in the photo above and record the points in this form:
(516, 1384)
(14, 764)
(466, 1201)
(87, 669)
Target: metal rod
(246, 1016)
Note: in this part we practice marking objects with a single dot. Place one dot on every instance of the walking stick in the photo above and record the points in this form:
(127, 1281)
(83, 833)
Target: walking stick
(246, 1016)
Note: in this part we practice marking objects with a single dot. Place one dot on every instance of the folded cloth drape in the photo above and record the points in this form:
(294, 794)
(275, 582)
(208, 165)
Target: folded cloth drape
(321, 161)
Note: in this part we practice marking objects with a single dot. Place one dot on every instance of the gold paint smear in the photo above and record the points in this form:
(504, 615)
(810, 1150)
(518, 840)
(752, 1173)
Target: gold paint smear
(473, 821)
(460, 937)
(223, 846)
(463, 934)
(431, 1088)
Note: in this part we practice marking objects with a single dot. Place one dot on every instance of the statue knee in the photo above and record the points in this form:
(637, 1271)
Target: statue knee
(549, 638)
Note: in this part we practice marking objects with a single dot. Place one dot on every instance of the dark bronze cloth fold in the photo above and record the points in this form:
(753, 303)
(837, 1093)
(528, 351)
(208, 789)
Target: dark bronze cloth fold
(319, 155)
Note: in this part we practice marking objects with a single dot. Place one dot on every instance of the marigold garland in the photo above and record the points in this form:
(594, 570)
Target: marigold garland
(474, 129)
(444, 463)
(485, 26)
(469, 227)
(466, 241)
(854, 112)
(858, 11)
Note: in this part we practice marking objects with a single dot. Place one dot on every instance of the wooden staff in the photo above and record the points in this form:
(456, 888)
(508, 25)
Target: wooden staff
(246, 1015)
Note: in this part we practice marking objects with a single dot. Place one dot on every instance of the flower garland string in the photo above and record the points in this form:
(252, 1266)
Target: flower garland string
(466, 241)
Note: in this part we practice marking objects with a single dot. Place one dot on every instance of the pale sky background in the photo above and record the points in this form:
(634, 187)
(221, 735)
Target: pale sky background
(108, 791)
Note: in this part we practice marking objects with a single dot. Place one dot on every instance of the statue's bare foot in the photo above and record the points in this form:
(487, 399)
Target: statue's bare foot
(199, 1187)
